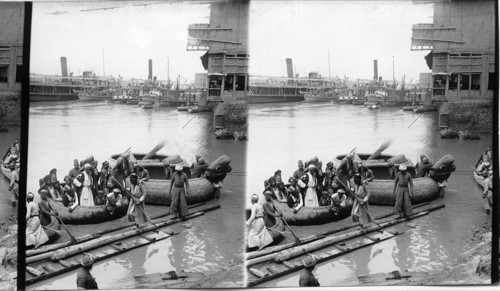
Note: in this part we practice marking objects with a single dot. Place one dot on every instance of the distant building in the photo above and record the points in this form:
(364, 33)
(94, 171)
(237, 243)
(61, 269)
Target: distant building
(462, 44)
(200, 80)
(425, 80)
(225, 38)
(11, 47)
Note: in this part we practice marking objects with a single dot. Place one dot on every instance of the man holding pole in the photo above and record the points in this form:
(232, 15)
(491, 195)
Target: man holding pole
(136, 212)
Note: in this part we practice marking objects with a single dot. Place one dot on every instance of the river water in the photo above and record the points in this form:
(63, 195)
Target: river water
(280, 135)
(60, 132)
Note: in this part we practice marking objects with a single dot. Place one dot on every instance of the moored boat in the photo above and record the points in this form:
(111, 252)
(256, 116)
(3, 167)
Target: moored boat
(148, 106)
(133, 101)
(373, 106)
(312, 215)
(379, 164)
(6, 172)
(479, 180)
(89, 214)
(358, 101)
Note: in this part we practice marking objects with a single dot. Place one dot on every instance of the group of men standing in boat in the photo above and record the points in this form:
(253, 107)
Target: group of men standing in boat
(341, 187)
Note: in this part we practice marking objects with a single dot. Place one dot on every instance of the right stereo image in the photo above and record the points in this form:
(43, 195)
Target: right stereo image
(369, 159)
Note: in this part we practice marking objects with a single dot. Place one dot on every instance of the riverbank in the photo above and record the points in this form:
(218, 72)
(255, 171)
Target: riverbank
(10, 113)
(471, 267)
(231, 120)
(468, 118)
(8, 254)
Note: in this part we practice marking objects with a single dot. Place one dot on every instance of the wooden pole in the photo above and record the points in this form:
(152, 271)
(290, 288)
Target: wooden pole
(99, 241)
(317, 244)
(321, 235)
(88, 237)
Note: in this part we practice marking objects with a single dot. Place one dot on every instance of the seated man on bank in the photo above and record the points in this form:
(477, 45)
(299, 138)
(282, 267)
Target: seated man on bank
(294, 198)
(275, 190)
(325, 199)
(115, 198)
(69, 198)
(100, 199)
(340, 199)
(483, 169)
(366, 174)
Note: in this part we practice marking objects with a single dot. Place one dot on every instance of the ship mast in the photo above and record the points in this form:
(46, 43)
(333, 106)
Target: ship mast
(103, 68)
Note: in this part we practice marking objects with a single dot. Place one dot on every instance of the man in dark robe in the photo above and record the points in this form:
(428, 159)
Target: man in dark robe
(84, 280)
(307, 279)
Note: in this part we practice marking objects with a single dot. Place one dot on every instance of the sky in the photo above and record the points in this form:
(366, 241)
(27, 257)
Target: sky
(355, 33)
(128, 35)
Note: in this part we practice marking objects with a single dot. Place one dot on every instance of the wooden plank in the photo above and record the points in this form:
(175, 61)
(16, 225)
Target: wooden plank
(288, 264)
(64, 263)
(273, 249)
(378, 236)
(319, 244)
(73, 249)
(34, 272)
(297, 267)
(132, 244)
(117, 246)
(256, 273)
(87, 237)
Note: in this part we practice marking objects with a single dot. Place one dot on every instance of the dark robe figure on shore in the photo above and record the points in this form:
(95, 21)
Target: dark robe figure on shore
(179, 188)
(307, 278)
(84, 280)
(403, 187)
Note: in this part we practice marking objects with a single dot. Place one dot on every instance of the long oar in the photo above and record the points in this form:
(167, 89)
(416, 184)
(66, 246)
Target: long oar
(73, 239)
(133, 201)
(280, 232)
(354, 197)
(297, 239)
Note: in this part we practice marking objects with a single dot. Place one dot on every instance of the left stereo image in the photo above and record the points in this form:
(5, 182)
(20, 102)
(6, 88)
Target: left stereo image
(129, 181)
(11, 70)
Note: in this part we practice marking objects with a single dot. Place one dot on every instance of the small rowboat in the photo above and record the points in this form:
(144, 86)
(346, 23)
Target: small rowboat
(89, 214)
(312, 215)
(6, 172)
(480, 180)
(148, 106)
(373, 106)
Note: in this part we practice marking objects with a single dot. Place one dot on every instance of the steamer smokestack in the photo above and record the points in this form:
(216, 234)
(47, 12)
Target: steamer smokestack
(64, 67)
(150, 76)
(375, 70)
(289, 68)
